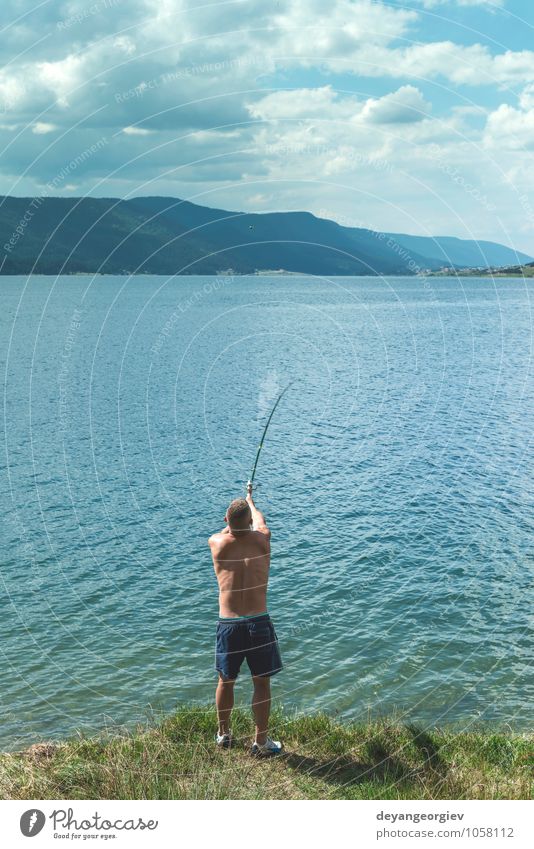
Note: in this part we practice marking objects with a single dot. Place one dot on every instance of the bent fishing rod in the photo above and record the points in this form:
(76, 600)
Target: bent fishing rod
(260, 446)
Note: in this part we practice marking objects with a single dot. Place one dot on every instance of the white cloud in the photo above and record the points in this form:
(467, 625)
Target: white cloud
(526, 98)
(321, 102)
(40, 128)
(459, 64)
(125, 45)
(490, 4)
(137, 131)
(405, 105)
(62, 77)
(510, 128)
(334, 134)
(313, 28)
(12, 91)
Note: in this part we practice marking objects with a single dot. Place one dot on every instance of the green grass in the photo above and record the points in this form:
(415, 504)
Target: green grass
(324, 759)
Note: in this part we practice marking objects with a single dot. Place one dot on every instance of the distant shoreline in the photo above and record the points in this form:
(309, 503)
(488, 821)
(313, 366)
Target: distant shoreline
(480, 276)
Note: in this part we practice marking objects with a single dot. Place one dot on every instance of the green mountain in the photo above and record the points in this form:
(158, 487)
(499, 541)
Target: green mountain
(157, 235)
(462, 253)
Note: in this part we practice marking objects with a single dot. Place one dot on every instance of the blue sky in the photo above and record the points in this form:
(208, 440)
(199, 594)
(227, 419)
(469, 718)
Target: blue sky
(410, 117)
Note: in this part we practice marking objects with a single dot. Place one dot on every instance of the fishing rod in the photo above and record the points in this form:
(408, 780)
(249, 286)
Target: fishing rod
(260, 446)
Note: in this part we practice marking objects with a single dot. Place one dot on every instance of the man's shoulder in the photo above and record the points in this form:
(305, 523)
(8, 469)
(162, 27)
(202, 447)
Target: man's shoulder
(217, 540)
(263, 535)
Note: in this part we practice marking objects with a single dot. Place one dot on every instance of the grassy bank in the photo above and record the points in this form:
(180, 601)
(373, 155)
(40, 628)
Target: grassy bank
(324, 759)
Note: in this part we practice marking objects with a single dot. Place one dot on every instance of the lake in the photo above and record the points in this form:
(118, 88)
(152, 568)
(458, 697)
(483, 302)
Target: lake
(396, 477)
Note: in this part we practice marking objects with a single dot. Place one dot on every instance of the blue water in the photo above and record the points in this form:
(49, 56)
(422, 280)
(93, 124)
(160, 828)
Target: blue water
(396, 476)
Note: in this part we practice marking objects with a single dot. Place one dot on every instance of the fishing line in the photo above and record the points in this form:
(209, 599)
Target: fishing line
(260, 446)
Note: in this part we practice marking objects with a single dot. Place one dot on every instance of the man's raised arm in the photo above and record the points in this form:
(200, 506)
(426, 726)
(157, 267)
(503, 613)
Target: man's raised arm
(258, 519)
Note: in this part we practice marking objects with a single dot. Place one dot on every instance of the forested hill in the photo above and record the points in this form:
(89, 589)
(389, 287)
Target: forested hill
(161, 235)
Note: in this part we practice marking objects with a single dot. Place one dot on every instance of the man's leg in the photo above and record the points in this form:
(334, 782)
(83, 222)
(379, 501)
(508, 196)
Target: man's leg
(224, 699)
(261, 706)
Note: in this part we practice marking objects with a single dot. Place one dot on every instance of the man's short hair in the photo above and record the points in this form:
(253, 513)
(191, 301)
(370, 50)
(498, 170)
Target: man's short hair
(238, 514)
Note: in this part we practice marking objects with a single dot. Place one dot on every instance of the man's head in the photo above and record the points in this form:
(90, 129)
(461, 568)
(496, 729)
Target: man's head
(238, 515)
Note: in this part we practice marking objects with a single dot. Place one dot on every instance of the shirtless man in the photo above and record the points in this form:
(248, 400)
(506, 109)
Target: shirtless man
(241, 556)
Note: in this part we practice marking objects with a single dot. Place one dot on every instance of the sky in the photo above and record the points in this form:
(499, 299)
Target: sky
(413, 117)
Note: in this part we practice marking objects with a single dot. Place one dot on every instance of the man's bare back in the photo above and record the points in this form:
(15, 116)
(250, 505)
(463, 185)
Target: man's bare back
(241, 559)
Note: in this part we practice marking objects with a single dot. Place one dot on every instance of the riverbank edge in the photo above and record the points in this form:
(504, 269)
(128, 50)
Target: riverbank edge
(324, 758)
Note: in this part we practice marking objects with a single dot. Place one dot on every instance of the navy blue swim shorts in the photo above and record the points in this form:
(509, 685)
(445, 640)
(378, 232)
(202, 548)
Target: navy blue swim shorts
(247, 637)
